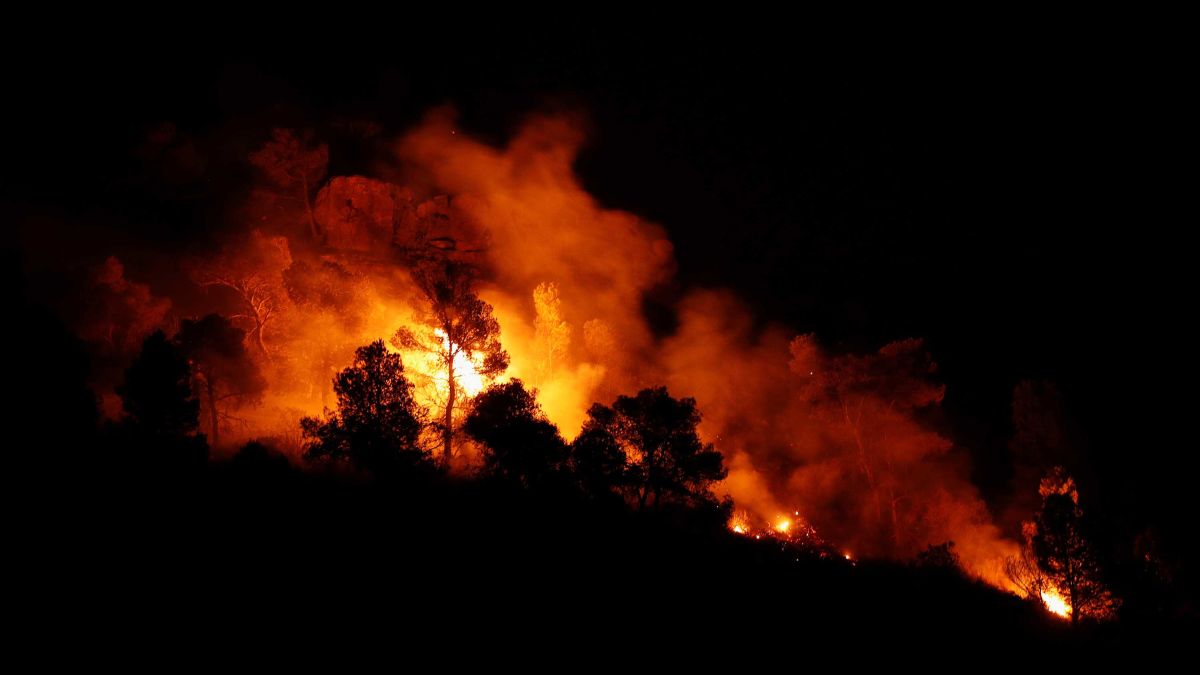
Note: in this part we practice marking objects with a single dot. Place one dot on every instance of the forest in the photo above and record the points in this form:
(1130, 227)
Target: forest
(645, 366)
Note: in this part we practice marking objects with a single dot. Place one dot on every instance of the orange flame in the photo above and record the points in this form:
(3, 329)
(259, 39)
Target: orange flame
(1056, 604)
(466, 369)
(739, 523)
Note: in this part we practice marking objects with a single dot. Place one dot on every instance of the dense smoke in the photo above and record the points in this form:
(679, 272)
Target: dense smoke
(321, 266)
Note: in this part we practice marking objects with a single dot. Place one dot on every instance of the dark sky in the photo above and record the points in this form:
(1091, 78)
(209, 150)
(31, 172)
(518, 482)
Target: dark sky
(1011, 194)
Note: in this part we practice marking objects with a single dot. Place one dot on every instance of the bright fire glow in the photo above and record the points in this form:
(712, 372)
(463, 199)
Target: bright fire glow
(466, 369)
(1056, 604)
(783, 525)
(739, 523)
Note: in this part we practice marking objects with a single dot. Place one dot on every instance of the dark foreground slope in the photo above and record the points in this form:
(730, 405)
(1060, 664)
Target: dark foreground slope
(120, 547)
(265, 551)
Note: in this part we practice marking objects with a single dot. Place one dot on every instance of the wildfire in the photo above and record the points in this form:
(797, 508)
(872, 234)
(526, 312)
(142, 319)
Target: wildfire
(1056, 604)
(791, 532)
(466, 369)
(739, 523)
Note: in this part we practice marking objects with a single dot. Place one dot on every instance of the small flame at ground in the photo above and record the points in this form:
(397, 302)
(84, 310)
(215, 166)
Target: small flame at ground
(739, 523)
(1056, 604)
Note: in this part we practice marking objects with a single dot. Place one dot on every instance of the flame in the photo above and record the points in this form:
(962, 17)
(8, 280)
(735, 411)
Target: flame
(517, 198)
(1056, 604)
(739, 523)
(466, 369)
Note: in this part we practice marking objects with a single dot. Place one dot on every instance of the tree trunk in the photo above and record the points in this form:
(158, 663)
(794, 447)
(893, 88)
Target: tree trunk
(864, 460)
(448, 422)
(312, 218)
(1073, 592)
(895, 518)
(262, 345)
(212, 412)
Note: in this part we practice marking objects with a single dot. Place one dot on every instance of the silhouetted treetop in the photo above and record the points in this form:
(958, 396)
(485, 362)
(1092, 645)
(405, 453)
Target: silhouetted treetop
(1064, 551)
(377, 423)
(521, 444)
(157, 391)
(597, 461)
(454, 325)
(666, 460)
(223, 372)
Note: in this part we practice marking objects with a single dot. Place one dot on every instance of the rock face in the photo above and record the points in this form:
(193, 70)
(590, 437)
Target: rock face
(365, 215)
(361, 214)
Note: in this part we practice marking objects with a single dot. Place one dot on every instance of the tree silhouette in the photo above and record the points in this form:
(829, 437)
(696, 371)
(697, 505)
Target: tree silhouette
(456, 326)
(597, 461)
(666, 460)
(1023, 569)
(223, 373)
(939, 557)
(293, 166)
(377, 423)
(157, 391)
(1064, 552)
(259, 467)
(521, 444)
(162, 413)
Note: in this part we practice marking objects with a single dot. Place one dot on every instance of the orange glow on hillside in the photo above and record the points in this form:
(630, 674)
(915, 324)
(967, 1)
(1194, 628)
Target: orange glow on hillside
(1056, 604)
(839, 438)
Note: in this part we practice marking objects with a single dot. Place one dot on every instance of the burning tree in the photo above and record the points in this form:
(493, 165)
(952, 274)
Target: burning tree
(1058, 565)
(551, 332)
(223, 374)
(1024, 571)
(1063, 551)
(294, 167)
(665, 458)
(459, 334)
(377, 424)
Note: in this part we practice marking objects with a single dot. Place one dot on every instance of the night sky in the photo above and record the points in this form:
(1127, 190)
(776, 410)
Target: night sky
(1011, 196)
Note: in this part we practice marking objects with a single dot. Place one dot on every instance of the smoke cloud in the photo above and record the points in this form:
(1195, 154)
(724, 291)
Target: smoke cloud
(846, 440)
